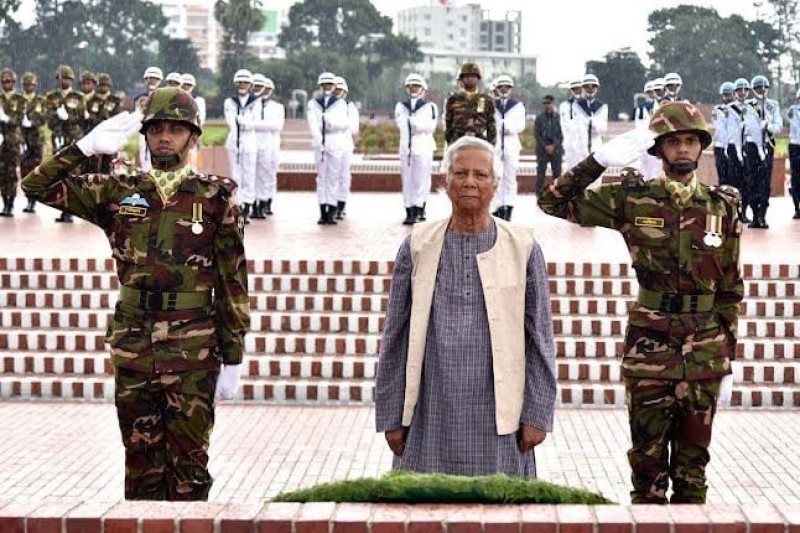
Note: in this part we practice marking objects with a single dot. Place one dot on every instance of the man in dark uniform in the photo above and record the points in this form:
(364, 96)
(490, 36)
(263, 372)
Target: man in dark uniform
(101, 106)
(66, 115)
(469, 112)
(683, 237)
(183, 308)
(12, 109)
(32, 129)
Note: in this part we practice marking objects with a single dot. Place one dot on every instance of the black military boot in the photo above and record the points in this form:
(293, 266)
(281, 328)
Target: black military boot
(323, 216)
(509, 209)
(796, 212)
(246, 213)
(10, 207)
(268, 207)
(31, 207)
(330, 214)
(421, 212)
(4, 212)
(64, 217)
(411, 216)
(340, 210)
(743, 216)
(258, 210)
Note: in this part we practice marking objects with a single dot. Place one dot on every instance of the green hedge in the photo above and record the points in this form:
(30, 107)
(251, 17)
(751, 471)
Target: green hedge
(408, 487)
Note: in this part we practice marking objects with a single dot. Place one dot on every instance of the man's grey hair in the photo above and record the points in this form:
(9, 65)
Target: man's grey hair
(471, 143)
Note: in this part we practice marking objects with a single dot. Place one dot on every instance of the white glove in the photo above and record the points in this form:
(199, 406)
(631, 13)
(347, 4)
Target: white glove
(2, 138)
(26, 123)
(62, 112)
(227, 382)
(110, 136)
(85, 115)
(3, 117)
(725, 391)
(624, 149)
(244, 122)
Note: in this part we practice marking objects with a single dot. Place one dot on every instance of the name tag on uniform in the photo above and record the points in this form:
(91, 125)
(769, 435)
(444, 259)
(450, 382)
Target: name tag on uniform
(649, 222)
(132, 211)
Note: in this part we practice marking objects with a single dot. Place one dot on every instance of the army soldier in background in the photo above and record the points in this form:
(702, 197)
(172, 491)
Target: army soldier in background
(101, 106)
(66, 116)
(793, 114)
(88, 84)
(683, 237)
(509, 116)
(760, 148)
(416, 118)
(12, 110)
(719, 117)
(270, 118)
(468, 111)
(183, 308)
(33, 122)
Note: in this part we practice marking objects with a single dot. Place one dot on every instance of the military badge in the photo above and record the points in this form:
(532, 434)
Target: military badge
(649, 222)
(135, 200)
(713, 237)
(72, 103)
(197, 218)
(481, 105)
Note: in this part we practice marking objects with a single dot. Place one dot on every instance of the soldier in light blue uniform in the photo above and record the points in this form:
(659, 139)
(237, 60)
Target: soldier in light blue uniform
(761, 128)
(794, 153)
(719, 117)
(736, 113)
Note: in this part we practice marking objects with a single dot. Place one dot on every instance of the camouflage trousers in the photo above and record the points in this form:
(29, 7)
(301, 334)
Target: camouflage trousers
(31, 159)
(9, 160)
(670, 423)
(166, 422)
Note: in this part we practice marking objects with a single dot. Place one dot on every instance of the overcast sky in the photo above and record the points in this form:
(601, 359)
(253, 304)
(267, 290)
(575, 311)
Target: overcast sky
(564, 34)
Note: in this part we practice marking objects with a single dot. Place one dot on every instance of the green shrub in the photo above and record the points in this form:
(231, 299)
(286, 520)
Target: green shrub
(410, 487)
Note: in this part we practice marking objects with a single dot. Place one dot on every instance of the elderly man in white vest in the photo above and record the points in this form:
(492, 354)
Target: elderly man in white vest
(466, 377)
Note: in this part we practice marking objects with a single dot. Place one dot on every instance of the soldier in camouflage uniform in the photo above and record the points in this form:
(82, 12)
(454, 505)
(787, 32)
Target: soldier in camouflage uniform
(101, 106)
(66, 115)
(683, 237)
(32, 129)
(183, 307)
(469, 112)
(12, 109)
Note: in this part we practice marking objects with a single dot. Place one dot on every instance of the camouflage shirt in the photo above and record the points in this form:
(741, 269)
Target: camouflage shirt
(100, 108)
(69, 130)
(153, 242)
(689, 250)
(469, 113)
(36, 109)
(14, 105)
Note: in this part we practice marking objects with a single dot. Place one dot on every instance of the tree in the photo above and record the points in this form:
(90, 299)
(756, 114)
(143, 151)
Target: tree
(7, 8)
(238, 19)
(788, 34)
(707, 49)
(179, 55)
(621, 75)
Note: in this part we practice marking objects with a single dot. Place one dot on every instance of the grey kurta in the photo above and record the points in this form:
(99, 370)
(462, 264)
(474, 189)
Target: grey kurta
(453, 428)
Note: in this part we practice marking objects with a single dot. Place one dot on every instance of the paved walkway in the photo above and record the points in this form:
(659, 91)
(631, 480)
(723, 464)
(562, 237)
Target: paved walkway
(73, 451)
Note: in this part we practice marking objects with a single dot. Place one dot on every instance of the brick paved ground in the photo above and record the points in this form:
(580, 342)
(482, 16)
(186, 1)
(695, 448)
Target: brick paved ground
(72, 451)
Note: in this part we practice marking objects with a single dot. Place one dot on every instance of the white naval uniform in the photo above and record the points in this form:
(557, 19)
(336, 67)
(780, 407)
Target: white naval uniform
(509, 115)
(568, 109)
(241, 143)
(329, 123)
(416, 119)
(270, 118)
(345, 175)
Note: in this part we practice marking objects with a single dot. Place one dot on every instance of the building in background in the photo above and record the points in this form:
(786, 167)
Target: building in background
(501, 35)
(492, 64)
(444, 27)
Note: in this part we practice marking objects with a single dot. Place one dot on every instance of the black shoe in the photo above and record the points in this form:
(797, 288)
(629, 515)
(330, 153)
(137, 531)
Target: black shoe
(340, 210)
(509, 209)
(755, 224)
(421, 212)
(796, 213)
(330, 214)
(246, 213)
(763, 220)
(411, 216)
(31, 207)
(268, 207)
(64, 217)
(323, 218)
(743, 217)
(258, 210)
(4, 212)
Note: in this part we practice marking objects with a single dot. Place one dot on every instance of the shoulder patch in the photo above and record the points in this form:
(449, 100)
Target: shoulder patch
(728, 193)
(631, 178)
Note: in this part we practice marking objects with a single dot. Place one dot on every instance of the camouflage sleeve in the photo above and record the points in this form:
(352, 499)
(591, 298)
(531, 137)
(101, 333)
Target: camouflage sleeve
(448, 120)
(52, 183)
(730, 290)
(51, 104)
(491, 125)
(231, 299)
(569, 199)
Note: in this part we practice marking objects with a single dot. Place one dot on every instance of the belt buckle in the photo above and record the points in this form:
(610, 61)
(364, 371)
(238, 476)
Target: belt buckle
(672, 303)
(154, 301)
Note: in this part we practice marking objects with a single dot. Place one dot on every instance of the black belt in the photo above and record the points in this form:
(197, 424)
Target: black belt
(165, 300)
(670, 302)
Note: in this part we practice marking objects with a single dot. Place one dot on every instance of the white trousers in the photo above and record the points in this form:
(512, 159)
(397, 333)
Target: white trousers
(329, 165)
(345, 178)
(243, 172)
(415, 174)
(507, 188)
(266, 173)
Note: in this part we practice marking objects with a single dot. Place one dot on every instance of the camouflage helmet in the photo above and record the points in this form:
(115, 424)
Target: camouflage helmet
(88, 75)
(7, 73)
(171, 103)
(29, 78)
(104, 79)
(469, 68)
(676, 117)
(65, 72)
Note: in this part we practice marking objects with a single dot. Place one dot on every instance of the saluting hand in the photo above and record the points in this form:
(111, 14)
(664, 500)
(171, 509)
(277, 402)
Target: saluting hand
(110, 136)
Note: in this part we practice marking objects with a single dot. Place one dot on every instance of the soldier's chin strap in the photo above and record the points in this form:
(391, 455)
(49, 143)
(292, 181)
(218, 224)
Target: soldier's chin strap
(682, 168)
(166, 162)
